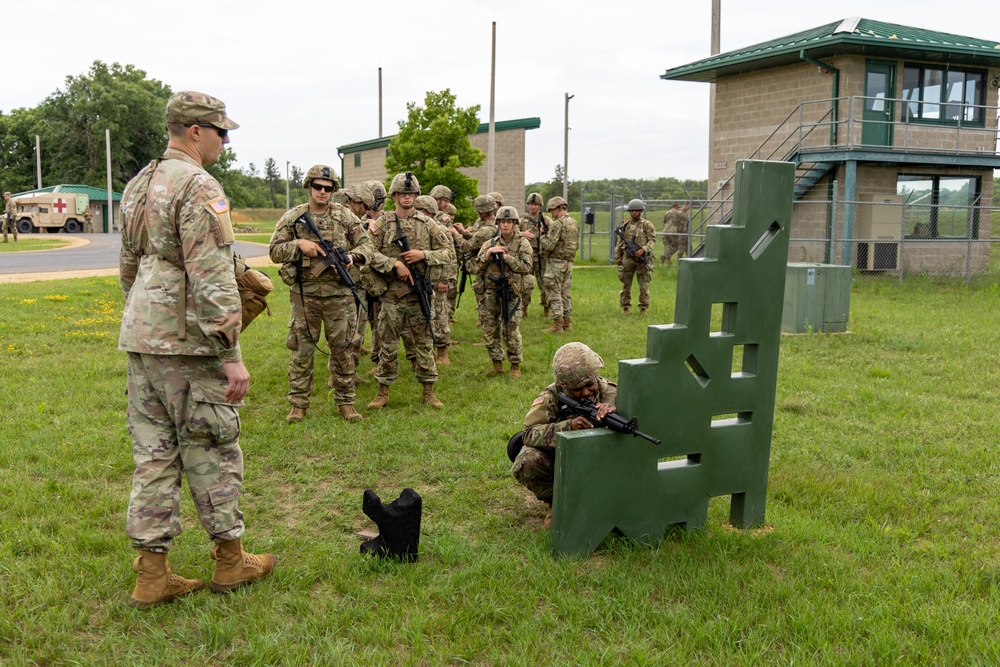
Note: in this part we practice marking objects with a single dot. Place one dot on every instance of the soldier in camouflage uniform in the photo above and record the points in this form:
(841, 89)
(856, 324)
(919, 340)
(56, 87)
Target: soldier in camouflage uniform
(88, 220)
(558, 249)
(675, 228)
(515, 253)
(532, 224)
(319, 300)
(442, 196)
(9, 217)
(469, 241)
(576, 369)
(186, 378)
(372, 282)
(443, 279)
(401, 310)
(359, 200)
(640, 231)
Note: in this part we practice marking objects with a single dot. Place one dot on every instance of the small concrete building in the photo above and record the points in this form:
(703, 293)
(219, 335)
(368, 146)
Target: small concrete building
(365, 160)
(902, 119)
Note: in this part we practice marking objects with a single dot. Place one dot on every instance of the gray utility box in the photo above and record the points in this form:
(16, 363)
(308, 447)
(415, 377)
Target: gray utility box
(817, 298)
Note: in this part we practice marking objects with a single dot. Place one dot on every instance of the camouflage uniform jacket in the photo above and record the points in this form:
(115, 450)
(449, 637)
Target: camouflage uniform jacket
(338, 226)
(529, 224)
(10, 209)
(177, 266)
(518, 260)
(562, 239)
(449, 270)
(543, 420)
(422, 232)
(675, 220)
(640, 232)
(482, 232)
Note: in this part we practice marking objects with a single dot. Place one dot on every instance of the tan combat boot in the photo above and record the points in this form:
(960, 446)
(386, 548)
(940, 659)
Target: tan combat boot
(381, 398)
(548, 312)
(496, 370)
(557, 327)
(642, 312)
(235, 567)
(515, 370)
(524, 311)
(442, 357)
(566, 323)
(429, 396)
(156, 584)
(625, 311)
(296, 415)
(348, 412)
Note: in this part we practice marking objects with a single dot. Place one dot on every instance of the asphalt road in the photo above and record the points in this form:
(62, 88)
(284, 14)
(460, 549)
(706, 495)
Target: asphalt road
(90, 252)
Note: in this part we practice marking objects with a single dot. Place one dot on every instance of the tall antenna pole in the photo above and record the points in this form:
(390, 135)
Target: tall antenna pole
(491, 162)
(379, 102)
(566, 151)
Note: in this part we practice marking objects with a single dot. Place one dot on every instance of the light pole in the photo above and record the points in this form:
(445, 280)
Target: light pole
(288, 201)
(566, 151)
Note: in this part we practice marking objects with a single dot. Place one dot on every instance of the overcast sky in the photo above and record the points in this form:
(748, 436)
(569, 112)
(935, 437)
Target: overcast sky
(302, 77)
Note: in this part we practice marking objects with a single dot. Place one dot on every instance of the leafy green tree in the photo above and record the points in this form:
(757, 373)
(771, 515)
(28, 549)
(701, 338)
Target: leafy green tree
(17, 149)
(433, 143)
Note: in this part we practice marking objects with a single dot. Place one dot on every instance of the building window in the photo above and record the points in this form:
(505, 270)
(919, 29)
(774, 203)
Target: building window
(943, 95)
(357, 159)
(940, 207)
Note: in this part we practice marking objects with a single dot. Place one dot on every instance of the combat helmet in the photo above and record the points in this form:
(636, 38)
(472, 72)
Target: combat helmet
(320, 171)
(404, 184)
(556, 202)
(507, 213)
(442, 192)
(575, 365)
(637, 205)
(484, 204)
(497, 197)
(362, 193)
(378, 192)
(534, 198)
(426, 204)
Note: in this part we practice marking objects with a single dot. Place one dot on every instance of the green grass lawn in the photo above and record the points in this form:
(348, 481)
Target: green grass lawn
(881, 544)
(28, 242)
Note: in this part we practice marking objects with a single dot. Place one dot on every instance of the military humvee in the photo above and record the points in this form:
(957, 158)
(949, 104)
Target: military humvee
(52, 211)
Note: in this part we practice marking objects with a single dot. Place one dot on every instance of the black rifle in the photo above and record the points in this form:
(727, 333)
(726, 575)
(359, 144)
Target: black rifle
(462, 279)
(335, 258)
(420, 285)
(613, 421)
(631, 247)
(504, 291)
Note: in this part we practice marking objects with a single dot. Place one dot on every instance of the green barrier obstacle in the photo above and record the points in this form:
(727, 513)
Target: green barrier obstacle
(706, 390)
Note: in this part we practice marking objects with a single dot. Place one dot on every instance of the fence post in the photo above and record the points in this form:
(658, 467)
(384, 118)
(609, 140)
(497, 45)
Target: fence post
(902, 243)
(968, 253)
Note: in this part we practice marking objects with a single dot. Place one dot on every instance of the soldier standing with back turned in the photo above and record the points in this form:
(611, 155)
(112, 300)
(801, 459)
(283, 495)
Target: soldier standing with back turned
(9, 217)
(181, 328)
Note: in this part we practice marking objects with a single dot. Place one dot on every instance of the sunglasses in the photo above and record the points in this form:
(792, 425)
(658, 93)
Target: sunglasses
(222, 133)
(322, 188)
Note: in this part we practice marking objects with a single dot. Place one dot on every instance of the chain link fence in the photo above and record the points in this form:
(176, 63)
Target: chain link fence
(883, 239)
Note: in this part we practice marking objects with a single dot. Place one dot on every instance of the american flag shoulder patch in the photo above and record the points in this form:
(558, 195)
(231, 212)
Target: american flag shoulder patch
(538, 401)
(220, 205)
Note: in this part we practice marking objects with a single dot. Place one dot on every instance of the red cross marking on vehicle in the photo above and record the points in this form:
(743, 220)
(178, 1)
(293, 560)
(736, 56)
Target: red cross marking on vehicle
(59, 205)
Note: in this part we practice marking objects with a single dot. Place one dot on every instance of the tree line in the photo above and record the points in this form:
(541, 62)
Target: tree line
(624, 188)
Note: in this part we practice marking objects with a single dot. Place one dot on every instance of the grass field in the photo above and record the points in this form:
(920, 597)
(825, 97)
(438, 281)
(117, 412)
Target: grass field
(27, 242)
(881, 546)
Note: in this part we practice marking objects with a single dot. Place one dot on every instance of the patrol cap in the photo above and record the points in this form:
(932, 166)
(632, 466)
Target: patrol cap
(637, 205)
(442, 192)
(555, 203)
(484, 204)
(508, 213)
(426, 204)
(189, 106)
(535, 198)
(497, 197)
(404, 184)
(362, 193)
(575, 365)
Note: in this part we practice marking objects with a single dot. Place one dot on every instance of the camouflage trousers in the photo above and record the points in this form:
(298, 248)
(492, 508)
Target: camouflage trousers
(534, 468)
(498, 336)
(8, 225)
(674, 242)
(363, 321)
(556, 283)
(643, 275)
(181, 423)
(338, 318)
(402, 318)
(442, 313)
(536, 270)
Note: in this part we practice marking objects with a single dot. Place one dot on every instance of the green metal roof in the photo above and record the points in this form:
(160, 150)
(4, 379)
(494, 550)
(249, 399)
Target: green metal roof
(850, 36)
(518, 123)
(94, 194)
